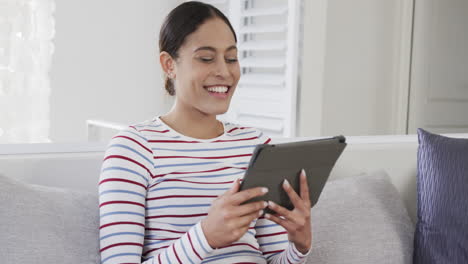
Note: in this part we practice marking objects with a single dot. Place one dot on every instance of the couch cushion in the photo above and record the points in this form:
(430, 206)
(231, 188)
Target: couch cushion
(442, 229)
(41, 224)
(361, 219)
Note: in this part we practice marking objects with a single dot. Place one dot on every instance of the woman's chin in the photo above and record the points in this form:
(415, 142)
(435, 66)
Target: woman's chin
(218, 110)
(221, 112)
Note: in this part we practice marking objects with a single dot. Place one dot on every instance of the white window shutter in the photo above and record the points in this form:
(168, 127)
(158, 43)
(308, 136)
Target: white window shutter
(268, 42)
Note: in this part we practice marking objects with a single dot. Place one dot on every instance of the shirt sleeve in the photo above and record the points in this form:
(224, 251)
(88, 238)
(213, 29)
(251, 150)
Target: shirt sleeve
(126, 172)
(274, 244)
(263, 138)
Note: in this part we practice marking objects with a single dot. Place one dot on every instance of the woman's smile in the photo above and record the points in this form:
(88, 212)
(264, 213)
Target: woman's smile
(218, 91)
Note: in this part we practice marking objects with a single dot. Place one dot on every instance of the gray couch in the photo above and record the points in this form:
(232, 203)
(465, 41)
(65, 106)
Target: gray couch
(49, 204)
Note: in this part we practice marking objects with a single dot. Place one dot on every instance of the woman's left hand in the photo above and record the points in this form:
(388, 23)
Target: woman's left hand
(297, 221)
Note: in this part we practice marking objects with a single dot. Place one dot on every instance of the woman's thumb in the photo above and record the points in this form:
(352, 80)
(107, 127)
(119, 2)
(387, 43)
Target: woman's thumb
(235, 187)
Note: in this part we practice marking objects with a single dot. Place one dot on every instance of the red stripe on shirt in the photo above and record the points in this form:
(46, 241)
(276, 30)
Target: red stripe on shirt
(172, 141)
(165, 239)
(131, 139)
(189, 172)
(121, 244)
(191, 157)
(121, 202)
(121, 223)
(237, 128)
(183, 216)
(122, 180)
(154, 249)
(175, 253)
(242, 139)
(272, 234)
(193, 248)
(128, 159)
(181, 196)
(184, 141)
(158, 131)
(272, 252)
(241, 244)
(178, 180)
(166, 230)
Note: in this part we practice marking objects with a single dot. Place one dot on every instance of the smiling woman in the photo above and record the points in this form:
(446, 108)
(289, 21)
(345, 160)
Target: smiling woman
(201, 67)
(169, 186)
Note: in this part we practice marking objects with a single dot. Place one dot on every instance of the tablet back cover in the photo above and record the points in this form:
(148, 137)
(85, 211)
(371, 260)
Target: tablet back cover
(271, 164)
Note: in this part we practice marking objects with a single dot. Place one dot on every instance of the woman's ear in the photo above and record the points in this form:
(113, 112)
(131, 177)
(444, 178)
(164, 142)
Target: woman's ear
(167, 64)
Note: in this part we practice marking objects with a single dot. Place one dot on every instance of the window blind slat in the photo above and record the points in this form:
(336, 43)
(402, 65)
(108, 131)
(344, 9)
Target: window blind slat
(265, 79)
(250, 93)
(216, 2)
(263, 29)
(263, 45)
(277, 10)
(279, 62)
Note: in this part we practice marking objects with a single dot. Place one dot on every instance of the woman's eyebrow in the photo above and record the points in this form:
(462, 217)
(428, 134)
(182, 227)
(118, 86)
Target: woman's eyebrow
(214, 49)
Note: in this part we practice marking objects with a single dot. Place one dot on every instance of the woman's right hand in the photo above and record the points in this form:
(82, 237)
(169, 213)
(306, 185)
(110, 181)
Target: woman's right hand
(227, 219)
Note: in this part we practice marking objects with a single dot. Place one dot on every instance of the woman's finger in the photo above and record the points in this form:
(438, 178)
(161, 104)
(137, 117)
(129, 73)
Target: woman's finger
(289, 215)
(293, 196)
(247, 219)
(282, 222)
(304, 187)
(236, 185)
(249, 208)
(246, 195)
(234, 189)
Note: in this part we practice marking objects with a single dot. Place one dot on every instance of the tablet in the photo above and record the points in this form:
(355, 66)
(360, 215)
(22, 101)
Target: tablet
(272, 163)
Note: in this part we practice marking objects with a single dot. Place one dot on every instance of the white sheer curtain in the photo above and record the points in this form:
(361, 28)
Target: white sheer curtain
(26, 32)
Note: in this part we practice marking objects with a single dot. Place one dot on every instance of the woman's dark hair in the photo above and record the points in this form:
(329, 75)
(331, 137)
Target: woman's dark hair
(181, 22)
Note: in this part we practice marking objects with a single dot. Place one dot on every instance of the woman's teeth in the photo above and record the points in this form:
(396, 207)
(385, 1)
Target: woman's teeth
(218, 89)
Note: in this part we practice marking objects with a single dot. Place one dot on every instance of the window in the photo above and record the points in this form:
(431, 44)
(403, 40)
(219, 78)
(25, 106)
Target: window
(269, 43)
(26, 31)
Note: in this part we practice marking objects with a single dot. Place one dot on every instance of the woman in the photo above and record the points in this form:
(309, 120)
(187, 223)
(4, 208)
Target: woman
(169, 187)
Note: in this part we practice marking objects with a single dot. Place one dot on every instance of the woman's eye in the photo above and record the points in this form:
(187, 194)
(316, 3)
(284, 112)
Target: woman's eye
(206, 59)
(234, 60)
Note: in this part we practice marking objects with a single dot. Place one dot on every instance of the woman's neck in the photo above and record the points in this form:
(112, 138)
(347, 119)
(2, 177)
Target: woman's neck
(193, 123)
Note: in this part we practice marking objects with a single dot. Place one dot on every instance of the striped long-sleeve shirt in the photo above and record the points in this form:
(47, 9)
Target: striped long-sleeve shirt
(156, 185)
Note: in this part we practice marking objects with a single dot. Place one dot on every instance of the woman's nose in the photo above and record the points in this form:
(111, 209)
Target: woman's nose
(222, 70)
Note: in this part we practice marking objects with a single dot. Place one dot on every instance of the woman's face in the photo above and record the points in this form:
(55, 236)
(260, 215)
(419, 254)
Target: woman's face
(207, 70)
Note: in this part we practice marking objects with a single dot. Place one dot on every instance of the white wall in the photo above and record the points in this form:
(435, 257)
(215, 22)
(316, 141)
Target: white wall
(439, 79)
(106, 64)
(359, 64)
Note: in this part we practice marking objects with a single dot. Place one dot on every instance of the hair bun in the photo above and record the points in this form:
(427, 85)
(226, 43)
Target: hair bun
(169, 85)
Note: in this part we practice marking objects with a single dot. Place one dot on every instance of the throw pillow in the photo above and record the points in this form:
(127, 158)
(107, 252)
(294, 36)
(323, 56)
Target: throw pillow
(40, 224)
(442, 228)
(361, 219)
